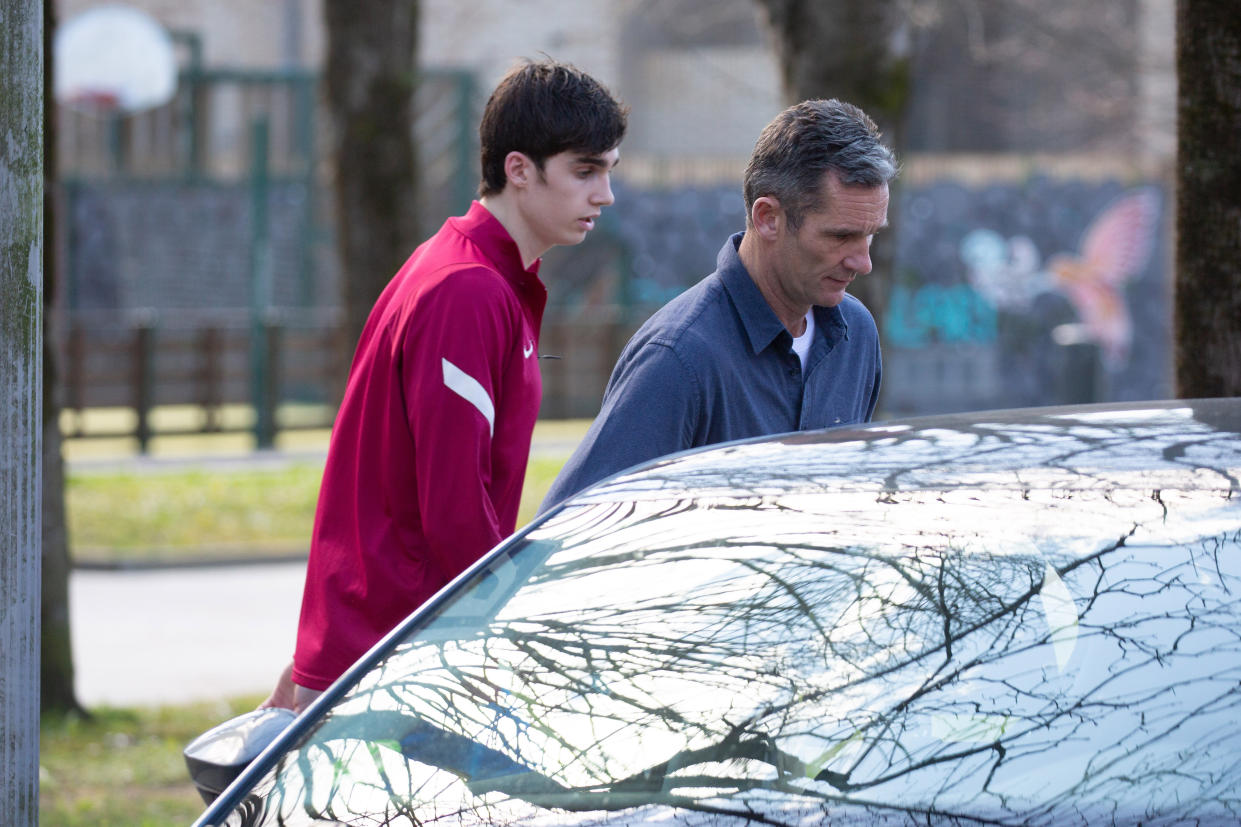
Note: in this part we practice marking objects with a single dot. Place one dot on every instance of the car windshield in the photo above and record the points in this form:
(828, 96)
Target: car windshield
(1016, 651)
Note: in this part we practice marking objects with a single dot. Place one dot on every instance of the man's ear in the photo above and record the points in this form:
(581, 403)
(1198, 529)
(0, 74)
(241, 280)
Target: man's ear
(768, 217)
(519, 169)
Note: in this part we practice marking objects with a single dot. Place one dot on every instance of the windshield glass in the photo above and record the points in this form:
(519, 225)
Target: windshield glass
(1019, 654)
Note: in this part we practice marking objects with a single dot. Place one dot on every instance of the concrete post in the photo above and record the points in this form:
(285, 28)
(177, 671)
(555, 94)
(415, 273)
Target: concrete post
(21, 388)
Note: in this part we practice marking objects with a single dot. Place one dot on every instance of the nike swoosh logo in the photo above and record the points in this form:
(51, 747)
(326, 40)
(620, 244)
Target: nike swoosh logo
(528, 349)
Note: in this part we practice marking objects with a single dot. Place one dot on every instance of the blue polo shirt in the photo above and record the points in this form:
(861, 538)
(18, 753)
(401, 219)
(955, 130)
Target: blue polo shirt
(715, 364)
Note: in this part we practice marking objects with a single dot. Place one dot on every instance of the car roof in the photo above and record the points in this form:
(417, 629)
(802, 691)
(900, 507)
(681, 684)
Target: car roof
(1127, 445)
(1167, 444)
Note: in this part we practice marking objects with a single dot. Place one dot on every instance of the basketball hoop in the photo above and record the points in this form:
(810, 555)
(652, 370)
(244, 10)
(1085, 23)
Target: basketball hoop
(114, 59)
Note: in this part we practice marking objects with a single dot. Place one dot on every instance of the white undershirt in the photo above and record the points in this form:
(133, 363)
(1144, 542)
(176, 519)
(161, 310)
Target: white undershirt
(801, 344)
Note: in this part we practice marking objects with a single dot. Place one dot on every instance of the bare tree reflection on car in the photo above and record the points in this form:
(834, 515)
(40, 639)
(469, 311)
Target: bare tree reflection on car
(1027, 617)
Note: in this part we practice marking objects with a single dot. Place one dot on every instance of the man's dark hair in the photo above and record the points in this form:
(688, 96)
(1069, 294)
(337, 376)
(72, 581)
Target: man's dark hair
(543, 108)
(802, 143)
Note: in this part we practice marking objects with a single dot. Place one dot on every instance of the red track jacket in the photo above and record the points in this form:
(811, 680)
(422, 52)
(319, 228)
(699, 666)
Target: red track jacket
(429, 449)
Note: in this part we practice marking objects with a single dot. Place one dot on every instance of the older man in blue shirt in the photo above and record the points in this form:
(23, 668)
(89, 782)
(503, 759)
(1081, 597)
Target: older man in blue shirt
(770, 342)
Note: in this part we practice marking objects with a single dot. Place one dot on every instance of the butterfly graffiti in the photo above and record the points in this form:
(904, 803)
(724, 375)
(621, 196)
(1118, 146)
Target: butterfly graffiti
(1115, 248)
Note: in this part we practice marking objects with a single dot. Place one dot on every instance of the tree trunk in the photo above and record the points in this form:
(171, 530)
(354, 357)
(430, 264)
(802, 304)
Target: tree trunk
(1208, 203)
(21, 366)
(370, 77)
(854, 50)
(56, 654)
(58, 694)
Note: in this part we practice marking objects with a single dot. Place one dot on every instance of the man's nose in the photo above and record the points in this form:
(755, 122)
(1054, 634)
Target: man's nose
(858, 259)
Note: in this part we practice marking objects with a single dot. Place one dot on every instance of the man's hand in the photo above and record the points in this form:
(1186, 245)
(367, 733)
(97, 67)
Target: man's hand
(303, 697)
(289, 695)
(282, 695)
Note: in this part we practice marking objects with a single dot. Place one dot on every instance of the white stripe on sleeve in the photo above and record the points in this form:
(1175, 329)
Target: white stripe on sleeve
(469, 389)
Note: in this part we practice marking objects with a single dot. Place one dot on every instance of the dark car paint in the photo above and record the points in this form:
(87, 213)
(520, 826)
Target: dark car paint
(1077, 475)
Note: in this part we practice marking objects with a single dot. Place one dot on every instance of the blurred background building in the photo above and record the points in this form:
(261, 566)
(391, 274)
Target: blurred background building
(198, 265)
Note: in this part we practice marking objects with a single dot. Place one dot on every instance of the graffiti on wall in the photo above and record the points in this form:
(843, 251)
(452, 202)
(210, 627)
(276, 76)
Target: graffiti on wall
(1115, 248)
(1007, 275)
(949, 314)
(1009, 272)
(1028, 268)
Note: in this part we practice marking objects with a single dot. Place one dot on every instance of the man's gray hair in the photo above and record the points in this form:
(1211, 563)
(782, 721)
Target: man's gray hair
(805, 141)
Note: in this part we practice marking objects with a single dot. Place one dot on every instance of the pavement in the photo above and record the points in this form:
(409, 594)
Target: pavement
(153, 637)
(145, 636)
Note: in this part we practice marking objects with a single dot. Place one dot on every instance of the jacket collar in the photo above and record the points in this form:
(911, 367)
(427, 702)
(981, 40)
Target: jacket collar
(485, 230)
(761, 325)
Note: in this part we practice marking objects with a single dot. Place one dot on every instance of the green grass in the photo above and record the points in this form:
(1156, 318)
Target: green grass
(157, 516)
(123, 767)
(102, 425)
(117, 513)
(540, 474)
(160, 514)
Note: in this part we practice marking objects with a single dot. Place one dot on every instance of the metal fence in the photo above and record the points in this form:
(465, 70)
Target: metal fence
(197, 256)
(199, 264)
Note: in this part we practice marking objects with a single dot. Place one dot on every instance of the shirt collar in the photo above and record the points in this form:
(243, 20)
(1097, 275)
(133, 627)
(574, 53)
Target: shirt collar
(762, 327)
(485, 230)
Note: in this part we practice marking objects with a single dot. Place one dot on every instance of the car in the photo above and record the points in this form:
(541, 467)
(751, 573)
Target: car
(1010, 617)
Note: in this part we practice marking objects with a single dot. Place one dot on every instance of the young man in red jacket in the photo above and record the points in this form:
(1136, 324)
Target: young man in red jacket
(428, 453)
